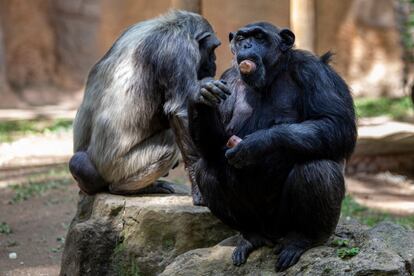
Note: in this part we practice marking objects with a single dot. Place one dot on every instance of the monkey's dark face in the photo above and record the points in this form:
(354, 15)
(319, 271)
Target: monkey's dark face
(257, 48)
(208, 42)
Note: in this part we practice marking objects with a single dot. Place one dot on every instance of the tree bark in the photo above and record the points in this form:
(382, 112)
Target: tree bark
(302, 22)
(3, 82)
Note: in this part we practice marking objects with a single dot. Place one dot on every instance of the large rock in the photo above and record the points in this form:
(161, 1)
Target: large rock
(386, 249)
(167, 235)
(117, 235)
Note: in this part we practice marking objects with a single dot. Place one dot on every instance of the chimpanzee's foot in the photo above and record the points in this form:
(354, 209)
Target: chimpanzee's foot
(89, 189)
(85, 174)
(198, 200)
(158, 187)
(247, 244)
(290, 253)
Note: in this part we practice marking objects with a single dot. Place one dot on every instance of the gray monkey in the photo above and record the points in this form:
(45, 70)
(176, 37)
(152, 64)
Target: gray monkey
(132, 123)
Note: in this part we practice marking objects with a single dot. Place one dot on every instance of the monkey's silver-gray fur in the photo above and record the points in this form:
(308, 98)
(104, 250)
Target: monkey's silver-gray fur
(135, 101)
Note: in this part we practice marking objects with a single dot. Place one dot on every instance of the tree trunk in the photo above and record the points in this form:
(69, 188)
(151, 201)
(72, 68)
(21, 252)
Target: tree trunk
(3, 82)
(302, 22)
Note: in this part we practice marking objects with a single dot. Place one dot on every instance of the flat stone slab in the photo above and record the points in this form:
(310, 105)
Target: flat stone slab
(385, 138)
(117, 235)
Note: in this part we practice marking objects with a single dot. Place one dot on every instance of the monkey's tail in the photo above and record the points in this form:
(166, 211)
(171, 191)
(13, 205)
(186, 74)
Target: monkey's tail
(327, 57)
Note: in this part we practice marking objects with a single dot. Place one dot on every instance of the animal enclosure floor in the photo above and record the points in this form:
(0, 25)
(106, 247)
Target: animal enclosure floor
(35, 215)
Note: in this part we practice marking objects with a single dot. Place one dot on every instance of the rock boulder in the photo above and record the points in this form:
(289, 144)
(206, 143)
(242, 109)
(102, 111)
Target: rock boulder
(117, 235)
(167, 235)
(386, 249)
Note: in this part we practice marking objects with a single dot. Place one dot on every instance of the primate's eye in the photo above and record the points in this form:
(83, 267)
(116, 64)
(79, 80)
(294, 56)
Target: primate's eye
(259, 36)
(239, 38)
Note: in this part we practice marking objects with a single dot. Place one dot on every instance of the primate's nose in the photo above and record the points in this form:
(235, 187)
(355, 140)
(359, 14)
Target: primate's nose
(247, 45)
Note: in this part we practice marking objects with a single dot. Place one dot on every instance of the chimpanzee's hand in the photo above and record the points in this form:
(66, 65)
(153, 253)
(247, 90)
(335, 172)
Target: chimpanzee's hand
(213, 92)
(248, 151)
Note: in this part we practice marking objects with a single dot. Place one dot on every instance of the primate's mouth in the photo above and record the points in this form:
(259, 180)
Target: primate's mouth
(247, 67)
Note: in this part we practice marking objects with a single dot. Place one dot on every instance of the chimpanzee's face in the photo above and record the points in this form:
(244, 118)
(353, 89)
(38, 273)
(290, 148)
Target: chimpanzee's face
(257, 48)
(207, 45)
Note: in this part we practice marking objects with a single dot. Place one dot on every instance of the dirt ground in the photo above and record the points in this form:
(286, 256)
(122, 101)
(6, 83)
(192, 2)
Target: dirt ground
(38, 226)
(38, 200)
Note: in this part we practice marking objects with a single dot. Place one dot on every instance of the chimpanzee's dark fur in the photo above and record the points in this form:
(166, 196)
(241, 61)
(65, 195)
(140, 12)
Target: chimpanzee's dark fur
(284, 182)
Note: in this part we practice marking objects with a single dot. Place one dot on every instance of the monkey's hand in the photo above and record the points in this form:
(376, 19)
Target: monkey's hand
(213, 92)
(249, 151)
(246, 153)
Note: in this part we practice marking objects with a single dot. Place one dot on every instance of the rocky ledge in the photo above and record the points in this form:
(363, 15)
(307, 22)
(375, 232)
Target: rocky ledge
(167, 235)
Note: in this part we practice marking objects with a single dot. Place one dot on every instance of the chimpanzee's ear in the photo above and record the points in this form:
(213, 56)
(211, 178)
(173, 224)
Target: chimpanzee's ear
(231, 36)
(288, 39)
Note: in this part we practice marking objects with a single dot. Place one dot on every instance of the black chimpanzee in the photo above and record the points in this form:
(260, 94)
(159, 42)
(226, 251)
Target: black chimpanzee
(283, 182)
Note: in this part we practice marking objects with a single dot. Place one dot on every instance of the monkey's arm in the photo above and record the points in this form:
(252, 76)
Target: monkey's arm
(329, 127)
(82, 127)
(179, 125)
(313, 139)
(205, 123)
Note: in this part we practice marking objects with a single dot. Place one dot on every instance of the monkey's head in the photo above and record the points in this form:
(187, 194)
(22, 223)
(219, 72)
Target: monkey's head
(207, 42)
(257, 50)
(185, 30)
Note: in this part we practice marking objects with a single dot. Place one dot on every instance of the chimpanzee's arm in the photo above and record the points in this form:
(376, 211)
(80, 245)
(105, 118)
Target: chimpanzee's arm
(205, 123)
(328, 130)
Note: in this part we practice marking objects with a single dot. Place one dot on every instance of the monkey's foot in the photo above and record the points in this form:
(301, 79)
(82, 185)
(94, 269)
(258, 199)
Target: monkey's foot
(247, 244)
(289, 255)
(198, 199)
(88, 188)
(242, 252)
(85, 174)
(158, 187)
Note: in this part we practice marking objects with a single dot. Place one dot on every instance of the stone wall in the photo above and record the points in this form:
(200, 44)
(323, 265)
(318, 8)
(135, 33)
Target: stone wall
(29, 42)
(76, 26)
(369, 50)
(54, 43)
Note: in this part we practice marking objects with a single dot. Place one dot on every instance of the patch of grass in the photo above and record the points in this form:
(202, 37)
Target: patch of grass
(327, 270)
(5, 228)
(168, 243)
(340, 242)
(11, 130)
(350, 208)
(55, 249)
(345, 252)
(12, 243)
(396, 108)
(38, 185)
(125, 265)
(24, 192)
